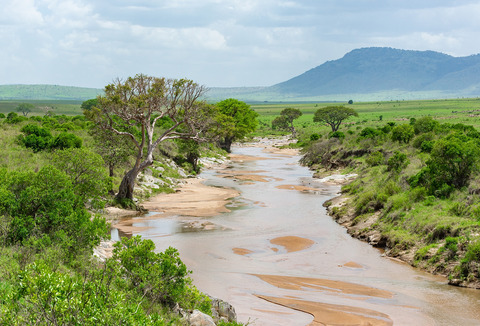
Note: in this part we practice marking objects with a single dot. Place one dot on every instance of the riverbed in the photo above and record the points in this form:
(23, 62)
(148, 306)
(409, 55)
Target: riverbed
(275, 255)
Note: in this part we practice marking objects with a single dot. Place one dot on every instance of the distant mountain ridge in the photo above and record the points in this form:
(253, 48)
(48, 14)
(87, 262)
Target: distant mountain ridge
(377, 73)
(366, 74)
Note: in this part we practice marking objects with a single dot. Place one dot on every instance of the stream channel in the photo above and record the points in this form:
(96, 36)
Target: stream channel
(279, 259)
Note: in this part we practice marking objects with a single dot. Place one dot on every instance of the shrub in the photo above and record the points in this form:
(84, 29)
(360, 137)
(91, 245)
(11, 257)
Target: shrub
(424, 124)
(397, 162)
(375, 158)
(44, 210)
(66, 140)
(314, 137)
(337, 134)
(162, 277)
(403, 133)
(35, 137)
(369, 132)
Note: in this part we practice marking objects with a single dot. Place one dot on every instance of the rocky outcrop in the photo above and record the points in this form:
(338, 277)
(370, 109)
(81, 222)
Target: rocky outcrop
(222, 311)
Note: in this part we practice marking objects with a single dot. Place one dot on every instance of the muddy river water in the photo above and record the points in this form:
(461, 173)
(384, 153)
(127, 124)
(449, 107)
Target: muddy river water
(279, 259)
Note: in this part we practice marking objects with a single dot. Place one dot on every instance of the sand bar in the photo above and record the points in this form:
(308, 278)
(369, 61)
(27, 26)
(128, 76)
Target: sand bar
(338, 287)
(292, 243)
(193, 198)
(331, 314)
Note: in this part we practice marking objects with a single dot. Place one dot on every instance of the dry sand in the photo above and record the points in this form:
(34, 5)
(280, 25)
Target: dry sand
(193, 198)
(326, 313)
(331, 314)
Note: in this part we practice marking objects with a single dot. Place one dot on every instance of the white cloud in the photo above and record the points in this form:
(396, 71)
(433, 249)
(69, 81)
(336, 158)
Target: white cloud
(22, 12)
(258, 42)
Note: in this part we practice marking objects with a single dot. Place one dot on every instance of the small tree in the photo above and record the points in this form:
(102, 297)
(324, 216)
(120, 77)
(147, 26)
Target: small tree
(285, 120)
(333, 115)
(235, 120)
(25, 108)
(133, 107)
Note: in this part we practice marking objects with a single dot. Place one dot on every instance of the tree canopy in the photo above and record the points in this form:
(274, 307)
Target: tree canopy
(333, 115)
(137, 108)
(235, 119)
(285, 120)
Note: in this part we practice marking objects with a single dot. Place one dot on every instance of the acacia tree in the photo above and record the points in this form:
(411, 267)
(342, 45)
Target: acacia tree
(25, 108)
(333, 115)
(132, 108)
(285, 120)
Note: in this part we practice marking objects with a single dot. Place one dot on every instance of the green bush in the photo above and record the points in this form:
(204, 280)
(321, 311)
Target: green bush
(397, 162)
(424, 124)
(66, 140)
(369, 132)
(314, 137)
(451, 163)
(43, 296)
(35, 137)
(161, 277)
(44, 211)
(403, 133)
(375, 158)
(337, 134)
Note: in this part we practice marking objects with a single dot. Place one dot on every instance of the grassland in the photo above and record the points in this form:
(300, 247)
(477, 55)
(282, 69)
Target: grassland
(375, 114)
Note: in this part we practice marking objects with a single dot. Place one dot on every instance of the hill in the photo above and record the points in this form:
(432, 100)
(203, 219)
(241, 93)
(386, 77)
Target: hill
(380, 74)
(366, 74)
(47, 92)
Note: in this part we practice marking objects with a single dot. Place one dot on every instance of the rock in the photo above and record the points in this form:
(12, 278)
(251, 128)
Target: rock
(198, 318)
(222, 310)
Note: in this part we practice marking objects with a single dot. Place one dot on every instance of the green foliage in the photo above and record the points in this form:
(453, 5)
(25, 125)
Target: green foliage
(403, 133)
(89, 104)
(86, 172)
(161, 277)
(333, 115)
(35, 137)
(369, 132)
(397, 162)
(66, 140)
(13, 118)
(236, 119)
(375, 158)
(44, 210)
(451, 163)
(314, 137)
(337, 134)
(25, 108)
(424, 125)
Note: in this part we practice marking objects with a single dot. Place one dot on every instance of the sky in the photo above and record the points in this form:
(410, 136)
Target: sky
(216, 43)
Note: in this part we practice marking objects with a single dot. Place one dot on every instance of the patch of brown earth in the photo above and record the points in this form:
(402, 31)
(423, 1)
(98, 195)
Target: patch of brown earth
(292, 243)
(338, 287)
(246, 175)
(241, 251)
(243, 158)
(331, 314)
(296, 187)
(352, 264)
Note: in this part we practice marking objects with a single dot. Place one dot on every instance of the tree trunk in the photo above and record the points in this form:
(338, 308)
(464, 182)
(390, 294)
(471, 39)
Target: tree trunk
(227, 144)
(125, 191)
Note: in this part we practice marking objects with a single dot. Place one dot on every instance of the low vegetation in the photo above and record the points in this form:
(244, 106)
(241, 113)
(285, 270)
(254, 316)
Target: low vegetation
(57, 173)
(416, 193)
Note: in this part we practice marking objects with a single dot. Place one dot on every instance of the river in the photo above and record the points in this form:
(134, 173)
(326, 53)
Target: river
(279, 259)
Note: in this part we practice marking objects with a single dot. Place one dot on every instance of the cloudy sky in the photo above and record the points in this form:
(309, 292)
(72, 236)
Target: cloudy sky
(216, 42)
